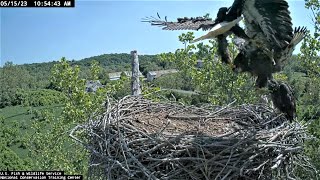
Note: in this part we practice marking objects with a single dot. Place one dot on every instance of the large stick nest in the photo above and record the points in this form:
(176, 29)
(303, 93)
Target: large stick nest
(140, 139)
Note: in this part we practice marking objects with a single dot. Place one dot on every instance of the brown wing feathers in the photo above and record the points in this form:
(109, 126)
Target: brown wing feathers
(182, 23)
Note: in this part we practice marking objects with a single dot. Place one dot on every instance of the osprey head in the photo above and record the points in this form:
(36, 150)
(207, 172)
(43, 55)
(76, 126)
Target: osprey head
(241, 63)
(221, 15)
(273, 85)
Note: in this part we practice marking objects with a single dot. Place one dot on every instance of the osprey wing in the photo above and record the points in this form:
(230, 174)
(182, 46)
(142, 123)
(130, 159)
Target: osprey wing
(273, 17)
(182, 23)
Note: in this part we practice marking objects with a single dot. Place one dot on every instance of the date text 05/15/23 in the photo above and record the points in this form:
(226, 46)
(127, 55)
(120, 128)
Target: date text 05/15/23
(37, 3)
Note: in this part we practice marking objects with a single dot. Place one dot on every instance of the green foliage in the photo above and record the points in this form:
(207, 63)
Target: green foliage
(9, 136)
(186, 38)
(28, 97)
(120, 62)
(207, 15)
(103, 76)
(124, 90)
(50, 145)
(17, 128)
(8, 98)
(41, 97)
(13, 77)
(37, 75)
(9, 160)
(216, 80)
(308, 85)
(310, 59)
(123, 75)
(185, 98)
(314, 6)
(80, 104)
(94, 70)
(174, 81)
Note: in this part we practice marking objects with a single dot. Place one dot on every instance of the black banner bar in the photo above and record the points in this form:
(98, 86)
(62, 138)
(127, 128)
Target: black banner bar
(44, 175)
(37, 3)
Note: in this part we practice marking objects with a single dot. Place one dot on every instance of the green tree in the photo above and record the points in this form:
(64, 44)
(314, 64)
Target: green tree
(216, 80)
(13, 77)
(50, 146)
(309, 100)
(9, 136)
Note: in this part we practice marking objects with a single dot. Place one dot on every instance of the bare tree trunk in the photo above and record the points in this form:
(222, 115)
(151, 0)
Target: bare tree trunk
(135, 84)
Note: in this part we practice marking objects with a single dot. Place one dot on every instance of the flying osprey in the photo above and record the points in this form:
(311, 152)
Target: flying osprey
(268, 33)
(219, 28)
(257, 62)
(283, 98)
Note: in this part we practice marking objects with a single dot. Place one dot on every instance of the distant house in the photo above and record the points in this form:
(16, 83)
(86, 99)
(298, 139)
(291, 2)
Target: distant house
(92, 86)
(151, 75)
(116, 75)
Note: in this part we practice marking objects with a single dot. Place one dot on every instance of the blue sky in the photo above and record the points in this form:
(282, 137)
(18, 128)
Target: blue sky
(30, 35)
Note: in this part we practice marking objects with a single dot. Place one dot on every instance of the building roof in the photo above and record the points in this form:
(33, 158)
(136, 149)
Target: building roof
(91, 83)
(92, 86)
(162, 72)
(152, 73)
(116, 75)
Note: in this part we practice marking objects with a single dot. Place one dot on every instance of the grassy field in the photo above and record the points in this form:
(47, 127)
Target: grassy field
(22, 117)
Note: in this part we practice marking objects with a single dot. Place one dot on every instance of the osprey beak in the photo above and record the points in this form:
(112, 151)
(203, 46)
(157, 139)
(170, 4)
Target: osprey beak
(219, 29)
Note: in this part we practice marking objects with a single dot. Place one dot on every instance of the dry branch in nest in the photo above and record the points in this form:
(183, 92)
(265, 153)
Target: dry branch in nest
(140, 139)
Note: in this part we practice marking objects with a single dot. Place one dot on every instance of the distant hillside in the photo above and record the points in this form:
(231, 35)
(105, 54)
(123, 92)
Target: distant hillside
(37, 75)
(40, 72)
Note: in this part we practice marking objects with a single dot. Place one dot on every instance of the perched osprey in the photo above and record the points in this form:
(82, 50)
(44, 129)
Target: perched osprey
(283, 98)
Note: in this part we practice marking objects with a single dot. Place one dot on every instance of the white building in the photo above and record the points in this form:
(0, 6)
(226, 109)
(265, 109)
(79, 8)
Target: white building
(117, 75)
(151, 75)
(155, 74)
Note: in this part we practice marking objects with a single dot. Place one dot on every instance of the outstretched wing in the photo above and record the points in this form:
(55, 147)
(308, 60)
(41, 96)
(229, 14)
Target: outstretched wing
(273, 17)
(182, 23)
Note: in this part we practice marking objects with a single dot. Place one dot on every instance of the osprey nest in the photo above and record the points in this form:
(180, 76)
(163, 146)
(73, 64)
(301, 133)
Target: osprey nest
(140, 139)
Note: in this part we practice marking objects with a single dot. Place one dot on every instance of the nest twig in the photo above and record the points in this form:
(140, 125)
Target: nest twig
(140, 139)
